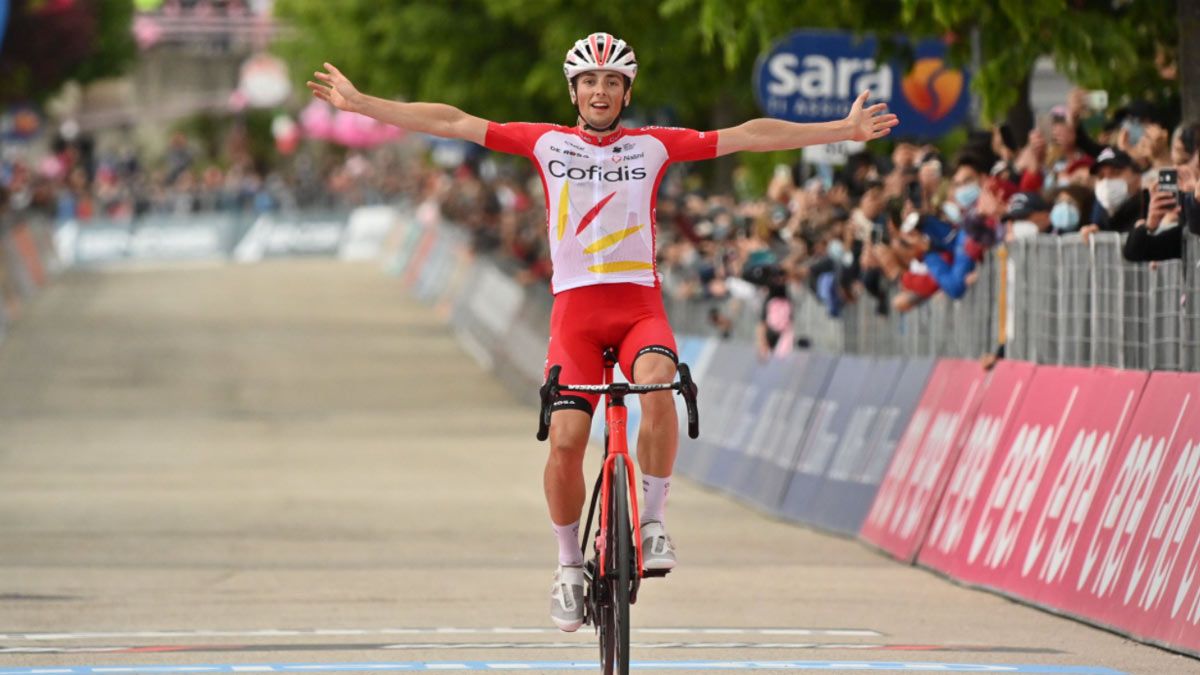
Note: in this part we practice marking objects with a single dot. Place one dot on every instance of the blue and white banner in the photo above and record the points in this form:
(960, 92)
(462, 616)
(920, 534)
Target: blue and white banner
(815, 75)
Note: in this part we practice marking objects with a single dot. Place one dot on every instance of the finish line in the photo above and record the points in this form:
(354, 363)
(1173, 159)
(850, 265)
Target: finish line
(408, 666)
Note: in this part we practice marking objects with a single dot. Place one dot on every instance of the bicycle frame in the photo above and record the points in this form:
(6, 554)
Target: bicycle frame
(616, 417)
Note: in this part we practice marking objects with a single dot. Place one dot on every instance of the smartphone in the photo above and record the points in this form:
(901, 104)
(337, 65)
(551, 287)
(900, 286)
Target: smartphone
(1097, 100)
(1168, 180)
(1009, 138)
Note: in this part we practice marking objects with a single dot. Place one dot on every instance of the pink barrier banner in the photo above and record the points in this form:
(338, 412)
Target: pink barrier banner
(913, 483)
(953, 543)
(1071, 483)
(1136, 563)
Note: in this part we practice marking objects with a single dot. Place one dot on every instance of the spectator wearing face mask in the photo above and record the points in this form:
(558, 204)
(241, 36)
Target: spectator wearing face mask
(1070, 203)
(1027, 215)
(1159, 235)
(967, 186)
(1119, 197)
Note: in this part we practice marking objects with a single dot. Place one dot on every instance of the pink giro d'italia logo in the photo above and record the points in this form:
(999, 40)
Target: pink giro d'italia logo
(931, 88)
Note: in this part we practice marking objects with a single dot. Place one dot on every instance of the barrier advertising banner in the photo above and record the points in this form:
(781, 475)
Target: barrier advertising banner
(829, 424)
(864, 451)
(977, 447)
(727, 397)
(989, 498)
(805, 379)
(1131, 559)
(738, 445)
(912, 487)
(1068, 488)
(366, 230)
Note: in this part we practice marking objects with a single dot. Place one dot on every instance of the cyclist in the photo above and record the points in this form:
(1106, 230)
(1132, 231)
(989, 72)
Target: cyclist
(600, 181)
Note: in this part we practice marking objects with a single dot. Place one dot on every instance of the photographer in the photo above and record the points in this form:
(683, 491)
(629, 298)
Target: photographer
(1172, 206)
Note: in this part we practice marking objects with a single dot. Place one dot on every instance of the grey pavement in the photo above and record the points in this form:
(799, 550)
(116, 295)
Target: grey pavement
(293, 462)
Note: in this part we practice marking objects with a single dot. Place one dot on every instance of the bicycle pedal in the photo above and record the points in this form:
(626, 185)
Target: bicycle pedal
(647, 574)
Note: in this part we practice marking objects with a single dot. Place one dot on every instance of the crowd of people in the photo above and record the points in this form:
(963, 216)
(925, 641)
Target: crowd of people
(76, 180)
(891, 230)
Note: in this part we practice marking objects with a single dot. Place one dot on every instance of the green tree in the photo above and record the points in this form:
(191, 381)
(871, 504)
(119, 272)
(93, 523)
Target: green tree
(503, 58)
(47, 44)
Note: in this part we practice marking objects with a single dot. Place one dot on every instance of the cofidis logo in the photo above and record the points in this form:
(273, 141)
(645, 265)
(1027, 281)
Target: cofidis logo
(813, 76)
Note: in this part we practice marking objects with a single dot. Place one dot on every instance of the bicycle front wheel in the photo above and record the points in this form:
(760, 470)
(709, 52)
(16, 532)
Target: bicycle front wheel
(614, 618)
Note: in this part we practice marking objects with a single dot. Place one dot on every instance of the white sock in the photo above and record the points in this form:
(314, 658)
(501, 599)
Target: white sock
(654, 491)
(569, 552)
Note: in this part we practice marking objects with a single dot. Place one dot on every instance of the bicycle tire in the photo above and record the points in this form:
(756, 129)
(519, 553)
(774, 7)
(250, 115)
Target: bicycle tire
(614, 618)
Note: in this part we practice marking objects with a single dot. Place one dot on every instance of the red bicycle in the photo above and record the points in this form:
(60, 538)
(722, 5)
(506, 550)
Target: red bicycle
(614, 572)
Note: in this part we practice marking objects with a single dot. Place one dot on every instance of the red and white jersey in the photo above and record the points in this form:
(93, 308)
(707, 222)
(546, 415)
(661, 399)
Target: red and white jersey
(600, 194)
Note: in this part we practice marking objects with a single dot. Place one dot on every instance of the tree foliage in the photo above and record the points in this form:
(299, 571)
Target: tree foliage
(48, 43)
(502, 58)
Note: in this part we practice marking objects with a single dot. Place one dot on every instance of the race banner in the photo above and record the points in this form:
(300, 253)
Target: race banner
(864, 452)
(970, 454)
(746, 431)
(911, 486)
(1134, 562)
(806, 377)
(991, 494)
(727, 398)
(829, 424)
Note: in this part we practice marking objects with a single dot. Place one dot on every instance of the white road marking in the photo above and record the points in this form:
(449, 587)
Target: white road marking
(448, 630)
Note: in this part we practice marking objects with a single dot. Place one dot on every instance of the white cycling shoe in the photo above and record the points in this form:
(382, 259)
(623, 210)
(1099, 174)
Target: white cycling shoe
(566, 598)
(658, 552)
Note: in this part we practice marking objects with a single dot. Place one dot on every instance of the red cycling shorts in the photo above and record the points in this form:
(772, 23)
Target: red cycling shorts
(586, 320)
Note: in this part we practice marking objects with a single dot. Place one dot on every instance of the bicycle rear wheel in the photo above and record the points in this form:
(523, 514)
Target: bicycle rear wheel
(614, 616)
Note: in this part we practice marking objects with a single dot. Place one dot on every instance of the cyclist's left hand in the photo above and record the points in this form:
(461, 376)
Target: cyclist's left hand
(867, 124)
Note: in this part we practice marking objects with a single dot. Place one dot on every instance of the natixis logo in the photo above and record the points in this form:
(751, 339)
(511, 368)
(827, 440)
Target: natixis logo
(932, 88)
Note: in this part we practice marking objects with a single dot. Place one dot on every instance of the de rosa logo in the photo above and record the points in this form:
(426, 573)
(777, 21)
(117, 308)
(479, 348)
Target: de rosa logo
(813, 76)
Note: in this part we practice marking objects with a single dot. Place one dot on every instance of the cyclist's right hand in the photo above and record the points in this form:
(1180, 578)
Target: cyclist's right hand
(337, 89)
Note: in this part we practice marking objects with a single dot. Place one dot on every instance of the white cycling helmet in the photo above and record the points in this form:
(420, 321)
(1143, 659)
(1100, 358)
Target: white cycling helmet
(600, 51)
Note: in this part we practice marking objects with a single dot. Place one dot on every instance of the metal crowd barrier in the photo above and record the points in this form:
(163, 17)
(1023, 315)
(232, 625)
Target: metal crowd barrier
(1052, 300)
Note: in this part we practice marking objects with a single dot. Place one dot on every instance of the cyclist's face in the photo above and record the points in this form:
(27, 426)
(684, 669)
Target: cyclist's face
(600, 97)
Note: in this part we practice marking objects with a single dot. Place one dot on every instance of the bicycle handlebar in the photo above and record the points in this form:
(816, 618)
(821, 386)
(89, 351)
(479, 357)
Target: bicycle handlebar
(685, 387)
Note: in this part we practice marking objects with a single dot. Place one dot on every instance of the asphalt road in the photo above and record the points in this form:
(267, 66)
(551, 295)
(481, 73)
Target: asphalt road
(269, 468)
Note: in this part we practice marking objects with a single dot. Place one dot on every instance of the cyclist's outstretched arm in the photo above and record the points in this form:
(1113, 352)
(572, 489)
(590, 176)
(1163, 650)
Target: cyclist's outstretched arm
(438, 119)
(763, 134)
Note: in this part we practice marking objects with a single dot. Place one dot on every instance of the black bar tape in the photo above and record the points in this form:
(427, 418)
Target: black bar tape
(657, 349)
(568, 402)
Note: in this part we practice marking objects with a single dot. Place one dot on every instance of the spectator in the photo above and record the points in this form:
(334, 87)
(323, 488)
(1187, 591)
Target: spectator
(1119, 196)
(1027, 215)
(1070, 203)
(775, 335)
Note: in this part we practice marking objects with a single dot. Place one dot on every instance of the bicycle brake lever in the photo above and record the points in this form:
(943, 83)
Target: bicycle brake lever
(689, 390)
(548, 392)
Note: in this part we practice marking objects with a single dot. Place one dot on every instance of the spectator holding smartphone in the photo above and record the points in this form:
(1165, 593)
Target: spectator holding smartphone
(1172, 205)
